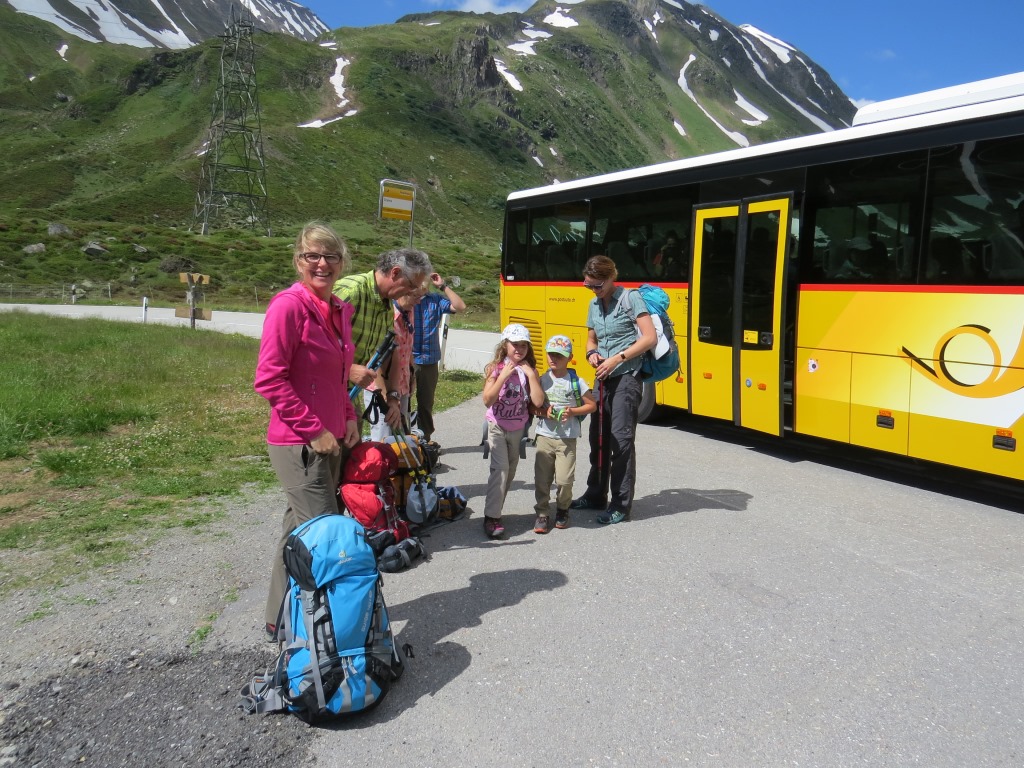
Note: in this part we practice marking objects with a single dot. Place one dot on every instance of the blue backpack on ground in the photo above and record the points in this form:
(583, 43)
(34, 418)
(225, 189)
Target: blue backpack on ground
(661, 361)
(338, 655)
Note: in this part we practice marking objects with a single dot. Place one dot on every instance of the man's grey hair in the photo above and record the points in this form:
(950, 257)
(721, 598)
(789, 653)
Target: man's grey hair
(412, 261)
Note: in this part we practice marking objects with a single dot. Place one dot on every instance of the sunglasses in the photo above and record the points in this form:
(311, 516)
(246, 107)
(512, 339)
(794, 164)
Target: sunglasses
(593, 286)
(314, 258)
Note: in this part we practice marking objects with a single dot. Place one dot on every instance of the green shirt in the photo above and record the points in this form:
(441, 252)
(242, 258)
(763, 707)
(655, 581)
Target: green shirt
(372, 315)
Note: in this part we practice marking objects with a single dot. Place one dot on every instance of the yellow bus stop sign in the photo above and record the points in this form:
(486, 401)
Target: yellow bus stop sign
(397, 199)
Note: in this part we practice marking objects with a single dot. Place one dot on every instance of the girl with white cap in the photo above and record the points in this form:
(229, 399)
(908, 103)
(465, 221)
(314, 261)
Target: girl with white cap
(511, 383)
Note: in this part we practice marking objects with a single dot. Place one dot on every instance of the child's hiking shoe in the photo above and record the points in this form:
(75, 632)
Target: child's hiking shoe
(613, 516)
(585, 502)
(493, 527)
(562, 518)
(543, 524)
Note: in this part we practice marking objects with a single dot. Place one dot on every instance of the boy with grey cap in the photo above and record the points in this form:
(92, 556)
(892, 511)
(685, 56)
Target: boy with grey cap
(567, 400)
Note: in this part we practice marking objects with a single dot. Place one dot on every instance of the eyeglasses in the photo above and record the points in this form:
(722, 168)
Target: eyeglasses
(314, 258)
(593, 286)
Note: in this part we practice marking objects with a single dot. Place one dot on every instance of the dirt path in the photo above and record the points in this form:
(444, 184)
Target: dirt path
(112, 672)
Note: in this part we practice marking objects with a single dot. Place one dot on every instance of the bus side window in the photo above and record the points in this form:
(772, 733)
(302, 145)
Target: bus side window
(538, 260)
(946, 260)
(618, 252)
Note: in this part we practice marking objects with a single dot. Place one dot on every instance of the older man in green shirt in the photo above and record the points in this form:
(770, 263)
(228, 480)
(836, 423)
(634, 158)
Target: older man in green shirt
(399, 272)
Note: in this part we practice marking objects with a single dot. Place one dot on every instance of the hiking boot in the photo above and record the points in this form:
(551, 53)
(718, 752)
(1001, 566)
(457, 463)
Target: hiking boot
(613, 516)
(493, 527)
(562, 518)
(271, 631)
(543, 524)
(585, 502)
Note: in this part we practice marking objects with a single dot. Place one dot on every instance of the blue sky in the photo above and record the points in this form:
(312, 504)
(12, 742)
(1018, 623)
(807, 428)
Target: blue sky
(874, 49)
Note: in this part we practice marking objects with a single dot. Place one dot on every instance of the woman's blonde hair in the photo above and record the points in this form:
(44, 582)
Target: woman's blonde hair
(501, 352)
(318, 233)
(600, 268)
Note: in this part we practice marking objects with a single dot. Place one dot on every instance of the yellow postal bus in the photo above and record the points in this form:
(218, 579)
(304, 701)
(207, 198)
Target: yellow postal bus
(864, 285)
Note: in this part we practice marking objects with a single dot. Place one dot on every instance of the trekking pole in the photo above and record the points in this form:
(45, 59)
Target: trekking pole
(379, 357)
(600, 437)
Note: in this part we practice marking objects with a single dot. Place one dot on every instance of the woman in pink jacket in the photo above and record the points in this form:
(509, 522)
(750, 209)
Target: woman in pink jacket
(302, 371)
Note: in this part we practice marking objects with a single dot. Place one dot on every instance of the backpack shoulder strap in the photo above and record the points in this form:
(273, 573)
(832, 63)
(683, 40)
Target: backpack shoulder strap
(574, 380)
(625, 303)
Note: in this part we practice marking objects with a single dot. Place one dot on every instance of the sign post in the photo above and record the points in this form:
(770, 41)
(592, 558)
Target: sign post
(193, 280)
(397, 201)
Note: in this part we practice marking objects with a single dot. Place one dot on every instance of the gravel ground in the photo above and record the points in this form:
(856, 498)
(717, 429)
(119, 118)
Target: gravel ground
(113, 676)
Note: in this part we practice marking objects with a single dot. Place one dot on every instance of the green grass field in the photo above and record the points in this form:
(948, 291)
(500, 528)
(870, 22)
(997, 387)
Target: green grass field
(113, 432)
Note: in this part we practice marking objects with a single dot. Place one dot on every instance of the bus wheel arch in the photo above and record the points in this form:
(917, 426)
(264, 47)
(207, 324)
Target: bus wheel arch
(648, 403)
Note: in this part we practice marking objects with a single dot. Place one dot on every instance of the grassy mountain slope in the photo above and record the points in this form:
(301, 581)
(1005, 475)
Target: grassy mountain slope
(108, 139)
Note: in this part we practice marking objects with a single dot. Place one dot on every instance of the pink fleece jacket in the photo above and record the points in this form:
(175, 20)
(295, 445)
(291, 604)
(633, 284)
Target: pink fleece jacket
(302, 368)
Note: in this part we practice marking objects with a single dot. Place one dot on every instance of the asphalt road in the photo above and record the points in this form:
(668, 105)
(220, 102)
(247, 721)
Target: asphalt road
(763, 608)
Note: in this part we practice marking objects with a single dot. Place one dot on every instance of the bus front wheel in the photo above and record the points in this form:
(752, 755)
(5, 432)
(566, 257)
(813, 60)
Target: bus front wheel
(647, 403)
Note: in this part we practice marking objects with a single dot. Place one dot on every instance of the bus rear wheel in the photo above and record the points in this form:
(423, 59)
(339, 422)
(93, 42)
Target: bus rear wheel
(648, 403)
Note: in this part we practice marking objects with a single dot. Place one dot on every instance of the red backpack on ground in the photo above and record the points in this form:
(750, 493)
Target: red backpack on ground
(366, 489)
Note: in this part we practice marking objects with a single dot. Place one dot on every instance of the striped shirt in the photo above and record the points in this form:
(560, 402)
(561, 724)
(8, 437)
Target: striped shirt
(427, 345)
(372, 316)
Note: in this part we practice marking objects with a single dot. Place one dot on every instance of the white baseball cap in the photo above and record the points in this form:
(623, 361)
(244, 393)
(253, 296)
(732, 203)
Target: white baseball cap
(515, 332)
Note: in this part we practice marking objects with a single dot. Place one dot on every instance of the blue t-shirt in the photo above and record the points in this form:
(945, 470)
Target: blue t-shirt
(426, 347)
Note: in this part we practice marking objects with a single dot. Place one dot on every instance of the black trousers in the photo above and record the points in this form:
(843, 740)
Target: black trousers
(613, 454)
(426, 386)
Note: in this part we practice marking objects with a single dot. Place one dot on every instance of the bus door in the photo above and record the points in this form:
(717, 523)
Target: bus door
(736, 312)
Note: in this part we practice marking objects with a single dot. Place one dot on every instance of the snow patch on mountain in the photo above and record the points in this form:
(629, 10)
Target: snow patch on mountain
(338, 81)
(560, 19)
(776, 46)
(114, 24)
(735, 136)
(746, 45)
(509, 77)
(755, 113)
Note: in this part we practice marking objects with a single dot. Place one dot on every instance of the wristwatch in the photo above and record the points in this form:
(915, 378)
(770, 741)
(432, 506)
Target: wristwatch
(393, 394)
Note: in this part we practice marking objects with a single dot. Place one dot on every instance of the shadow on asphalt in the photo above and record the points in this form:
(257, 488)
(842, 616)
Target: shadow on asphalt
(675, 501)
(430, 618)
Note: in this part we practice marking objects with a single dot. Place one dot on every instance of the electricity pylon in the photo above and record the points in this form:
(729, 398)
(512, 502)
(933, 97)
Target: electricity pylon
(234, 175)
